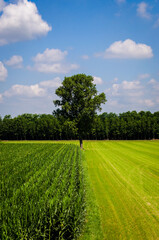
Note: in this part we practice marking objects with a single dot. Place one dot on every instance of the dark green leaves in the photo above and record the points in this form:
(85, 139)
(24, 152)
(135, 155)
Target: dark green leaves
(79, 101)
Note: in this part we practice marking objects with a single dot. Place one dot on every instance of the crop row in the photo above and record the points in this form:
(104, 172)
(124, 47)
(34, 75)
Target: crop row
(42, 191)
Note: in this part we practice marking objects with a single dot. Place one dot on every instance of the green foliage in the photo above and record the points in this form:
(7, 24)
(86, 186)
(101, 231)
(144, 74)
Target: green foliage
(128, 125)
(79, 101)
(42, 191)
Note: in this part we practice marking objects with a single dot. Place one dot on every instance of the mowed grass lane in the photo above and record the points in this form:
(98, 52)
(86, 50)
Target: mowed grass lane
(125, 180)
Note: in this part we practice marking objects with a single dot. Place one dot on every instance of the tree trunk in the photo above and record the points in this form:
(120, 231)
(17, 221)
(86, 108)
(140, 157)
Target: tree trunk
(81, 143)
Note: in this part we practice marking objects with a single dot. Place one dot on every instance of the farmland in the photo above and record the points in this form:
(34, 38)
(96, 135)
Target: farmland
(125, 180)
(49, 190)
(42, 191)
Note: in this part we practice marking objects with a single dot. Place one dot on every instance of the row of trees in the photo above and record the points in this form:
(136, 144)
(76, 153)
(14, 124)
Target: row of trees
(129, 125)
(76, 118)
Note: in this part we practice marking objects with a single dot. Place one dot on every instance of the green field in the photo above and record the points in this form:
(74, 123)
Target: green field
(42, 191)
(125, 181)
(49, 189)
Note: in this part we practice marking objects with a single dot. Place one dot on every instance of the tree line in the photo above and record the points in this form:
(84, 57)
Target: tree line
(123, 126)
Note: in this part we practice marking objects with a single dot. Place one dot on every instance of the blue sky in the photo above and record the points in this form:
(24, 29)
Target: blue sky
(115, 41)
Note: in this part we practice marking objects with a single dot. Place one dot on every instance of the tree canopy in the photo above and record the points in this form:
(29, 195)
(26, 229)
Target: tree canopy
(128, 125)
(79, 102)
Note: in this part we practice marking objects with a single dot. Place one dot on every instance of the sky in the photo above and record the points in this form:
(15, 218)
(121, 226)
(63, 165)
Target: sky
(115, 41)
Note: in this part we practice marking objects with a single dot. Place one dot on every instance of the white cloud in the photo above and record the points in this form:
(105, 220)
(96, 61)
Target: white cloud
(120, 1)
(52, 61)
(127, 49)
(1, 98)
(156, 23)
(142, 10)
(115, 89)
(41, 89)
(50, 56)
(126, 89)
(51, 83)
(148, 102)
(133, 95)
(85, 57)
(154, 84)
(97, 80)
(20, 22)
(131, 85)
(3, 72)
(115, 79)
(2, 5)
(55, 68)
(152, 81)
(144, 76)
(15, 61)
(25, 91)
(113, 103)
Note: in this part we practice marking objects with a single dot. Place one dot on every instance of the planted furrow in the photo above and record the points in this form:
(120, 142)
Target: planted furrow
(41, 205)
(21, 173)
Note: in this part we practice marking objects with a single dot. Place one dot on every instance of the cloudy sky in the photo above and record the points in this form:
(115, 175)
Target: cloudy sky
(115, 41)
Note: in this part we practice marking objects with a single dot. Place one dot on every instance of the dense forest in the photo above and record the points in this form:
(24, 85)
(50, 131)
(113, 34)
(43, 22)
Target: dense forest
(128, 125)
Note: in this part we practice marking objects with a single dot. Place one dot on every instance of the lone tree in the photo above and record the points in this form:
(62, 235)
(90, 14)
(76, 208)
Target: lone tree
(79, 102)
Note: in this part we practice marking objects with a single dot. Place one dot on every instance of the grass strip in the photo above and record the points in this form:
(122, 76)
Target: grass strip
(92, 227)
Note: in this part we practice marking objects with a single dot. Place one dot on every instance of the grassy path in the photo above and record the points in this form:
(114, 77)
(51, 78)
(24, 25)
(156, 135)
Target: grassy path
(125, 180)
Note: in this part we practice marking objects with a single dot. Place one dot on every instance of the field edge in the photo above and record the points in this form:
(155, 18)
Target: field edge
(92, 227)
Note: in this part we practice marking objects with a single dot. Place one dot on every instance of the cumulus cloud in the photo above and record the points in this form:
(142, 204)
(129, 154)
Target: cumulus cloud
(2, 5)
(126, 88)
(15, 61)
(133, 95)
(152, 81)
(154, 84)
(25, 91)
(50, 55)
(115, 79)
(32, 91)
(1, 98)
(55, 68)
(3, 72)
(20, 22)
(85, 57)
(148, 102)
(97, 80)
(51, 83)
(156, 23)
(144, 76)
(113, 103)
(142, 10)
(127, 49)
(52, 61)
(133, 85)
(120, 1)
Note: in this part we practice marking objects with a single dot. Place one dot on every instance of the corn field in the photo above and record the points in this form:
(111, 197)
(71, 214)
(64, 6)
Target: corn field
(42, 191)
